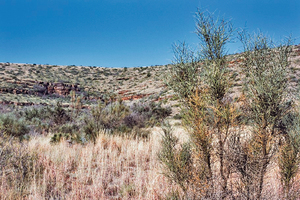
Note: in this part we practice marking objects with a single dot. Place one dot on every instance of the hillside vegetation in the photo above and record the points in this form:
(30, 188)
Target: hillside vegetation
(43, 84)
(213, 126)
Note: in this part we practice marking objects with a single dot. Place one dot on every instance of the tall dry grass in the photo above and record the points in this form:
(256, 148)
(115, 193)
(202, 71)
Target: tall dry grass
(114, 168)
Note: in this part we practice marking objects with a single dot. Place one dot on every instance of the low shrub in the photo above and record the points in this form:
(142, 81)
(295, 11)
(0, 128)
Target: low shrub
(60, 115)
(42, 119)
(70, 137)
(91, 129)
(153, 113)
(13, 126)
(177, 161)
(41, 113)
(69, 128)
(118, 118)
(135, 120)
(109, 117)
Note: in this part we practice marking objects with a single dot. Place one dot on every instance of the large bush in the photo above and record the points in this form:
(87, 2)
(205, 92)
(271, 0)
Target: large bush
(212, 117)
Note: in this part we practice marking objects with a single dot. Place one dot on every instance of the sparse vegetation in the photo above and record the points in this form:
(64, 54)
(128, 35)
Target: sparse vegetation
(219, 127)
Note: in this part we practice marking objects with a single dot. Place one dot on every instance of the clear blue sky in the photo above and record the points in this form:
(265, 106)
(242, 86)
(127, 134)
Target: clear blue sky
(125, 33)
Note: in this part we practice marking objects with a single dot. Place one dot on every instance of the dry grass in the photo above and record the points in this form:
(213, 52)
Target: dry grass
(114, 168)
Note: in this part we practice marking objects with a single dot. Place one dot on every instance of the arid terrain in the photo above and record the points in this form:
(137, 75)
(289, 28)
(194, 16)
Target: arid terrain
(34, 84)
(90, 132)
(28, 84)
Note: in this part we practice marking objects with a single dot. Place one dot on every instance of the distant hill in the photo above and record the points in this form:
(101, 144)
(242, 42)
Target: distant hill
(30, 84)
(27, 84)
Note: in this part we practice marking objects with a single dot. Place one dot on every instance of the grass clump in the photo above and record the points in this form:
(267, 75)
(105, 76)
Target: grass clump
(17, 165)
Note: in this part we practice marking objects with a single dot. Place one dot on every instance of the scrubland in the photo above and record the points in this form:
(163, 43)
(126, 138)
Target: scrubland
(209, 126)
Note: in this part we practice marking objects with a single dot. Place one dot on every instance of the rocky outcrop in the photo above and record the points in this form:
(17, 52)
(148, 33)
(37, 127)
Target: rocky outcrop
(61, 88)
(39, 88)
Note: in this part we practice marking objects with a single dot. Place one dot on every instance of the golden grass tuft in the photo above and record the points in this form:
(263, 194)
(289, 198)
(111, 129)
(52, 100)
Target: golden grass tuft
(114, 168)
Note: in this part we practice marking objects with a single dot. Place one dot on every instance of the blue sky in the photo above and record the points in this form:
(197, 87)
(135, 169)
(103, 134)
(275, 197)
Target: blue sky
(125, 33)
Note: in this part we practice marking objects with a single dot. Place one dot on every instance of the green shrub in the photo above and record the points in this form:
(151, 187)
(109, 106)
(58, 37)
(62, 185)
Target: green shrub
(12, 126)
(201, 81)
(36, 112)
(106, 117)
(289, 157)
(177, 161)
(91, 129)
(60, 115)
(118, 118)
(69, 128)
(149, 112)
(267, 96)
(183, 74)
